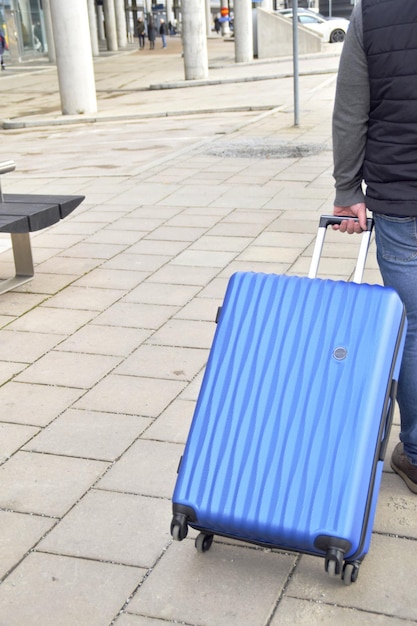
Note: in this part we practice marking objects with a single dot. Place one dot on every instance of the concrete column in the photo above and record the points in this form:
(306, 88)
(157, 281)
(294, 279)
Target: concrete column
(268, 5)
(225, 25)
(74, 57)
(243, 31)
(110, 25)
(209, 21)
(194, 39)
(92, 20)
(49, 33)
(170, 12)
(121, 28)
(100, 23)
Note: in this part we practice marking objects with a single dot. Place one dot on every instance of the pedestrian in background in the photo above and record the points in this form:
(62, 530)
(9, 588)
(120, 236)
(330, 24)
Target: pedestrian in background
(141, 33)
(375, 142)
(3, 47)
(151, 34)
(163, 33)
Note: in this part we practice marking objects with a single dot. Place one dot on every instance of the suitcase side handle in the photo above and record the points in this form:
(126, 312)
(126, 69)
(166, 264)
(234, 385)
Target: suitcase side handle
(330, 220)
(388, 420)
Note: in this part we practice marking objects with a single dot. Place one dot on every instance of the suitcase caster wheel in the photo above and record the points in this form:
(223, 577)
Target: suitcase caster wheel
(179, 528)
(350, 573)
(334, 562)
(203, 542)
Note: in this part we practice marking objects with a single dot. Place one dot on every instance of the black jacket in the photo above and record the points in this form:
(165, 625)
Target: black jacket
(390, 166)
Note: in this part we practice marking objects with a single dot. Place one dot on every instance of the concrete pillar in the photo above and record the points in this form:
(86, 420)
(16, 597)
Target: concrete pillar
(225, 25)
(243, 31)
(121, 28)
(110, 25)
(92, 21)
(209, 20)
(268, 5)
(194, 39)
(100, 23)
(170, 12)
(49, 33)
(74, 57)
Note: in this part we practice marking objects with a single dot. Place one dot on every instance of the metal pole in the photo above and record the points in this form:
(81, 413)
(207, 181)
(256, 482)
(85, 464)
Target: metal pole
(295, 61)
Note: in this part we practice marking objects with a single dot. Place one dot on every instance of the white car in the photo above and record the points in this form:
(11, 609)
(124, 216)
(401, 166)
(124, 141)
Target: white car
(332, 29)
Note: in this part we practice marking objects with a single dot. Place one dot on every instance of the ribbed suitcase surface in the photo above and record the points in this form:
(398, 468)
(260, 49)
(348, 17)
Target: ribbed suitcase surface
(285, 438)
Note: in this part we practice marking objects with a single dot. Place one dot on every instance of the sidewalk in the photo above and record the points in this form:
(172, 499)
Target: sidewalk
(103, 352)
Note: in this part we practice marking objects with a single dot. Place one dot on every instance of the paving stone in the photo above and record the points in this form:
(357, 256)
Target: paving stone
(89, 434)
(12, 437)
(185, 333)
(156, 293)
(193, 389)
(164, 362)
(35, 405)
(155, 247)
(271, 254)
(217, 588)
(113, 527)
(203, 258)
(378, 588)
(127, 619)
(94, 250)
(18, 534)
(135, 315)
(69, 369)
(299, 612)
(45, 484)
(131, 395)
(48, 585)
(15, 304)
(397, 508)
(148, 468)
(143, 263)
(87, 298)
(112, 279)
(49, 320)
(114, 235)
(173, 424)
(233, 229)
(200, 309)
(110, 340)
(63, 270)
(282, 239)
(186, 275)
(176, 233)
(9, 369)
(224, 244)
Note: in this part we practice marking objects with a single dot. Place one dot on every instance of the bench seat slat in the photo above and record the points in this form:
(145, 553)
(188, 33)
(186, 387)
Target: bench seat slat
(66, 204)
(14, 224)
(39, 215)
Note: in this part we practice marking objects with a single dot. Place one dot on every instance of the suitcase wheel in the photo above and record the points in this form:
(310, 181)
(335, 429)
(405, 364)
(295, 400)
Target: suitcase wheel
(179, 527)
(333, 563)
(203, 542)
(350, 572)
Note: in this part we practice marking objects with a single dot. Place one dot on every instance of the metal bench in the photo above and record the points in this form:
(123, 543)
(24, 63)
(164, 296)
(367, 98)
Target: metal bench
(21, 214)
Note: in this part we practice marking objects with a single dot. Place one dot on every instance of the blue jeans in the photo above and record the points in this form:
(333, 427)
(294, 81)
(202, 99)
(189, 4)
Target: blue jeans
(396, 240)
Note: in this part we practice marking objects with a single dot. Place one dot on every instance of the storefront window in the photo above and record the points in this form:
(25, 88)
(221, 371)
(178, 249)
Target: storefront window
(22, 21)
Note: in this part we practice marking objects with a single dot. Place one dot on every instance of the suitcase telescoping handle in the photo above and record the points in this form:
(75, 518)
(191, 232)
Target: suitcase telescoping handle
(329, 220)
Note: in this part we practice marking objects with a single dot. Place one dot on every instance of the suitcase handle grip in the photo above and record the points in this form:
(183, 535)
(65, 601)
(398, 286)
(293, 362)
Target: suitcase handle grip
(331, 220)
(327, 220)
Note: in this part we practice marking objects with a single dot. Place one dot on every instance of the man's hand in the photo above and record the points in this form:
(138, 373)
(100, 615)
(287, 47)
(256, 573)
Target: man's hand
(349, 226)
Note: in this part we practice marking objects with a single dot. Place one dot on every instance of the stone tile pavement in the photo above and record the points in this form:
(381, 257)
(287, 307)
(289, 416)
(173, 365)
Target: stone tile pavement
(102, 354)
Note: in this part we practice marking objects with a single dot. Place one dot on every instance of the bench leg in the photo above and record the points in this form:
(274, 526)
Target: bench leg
(23, 262)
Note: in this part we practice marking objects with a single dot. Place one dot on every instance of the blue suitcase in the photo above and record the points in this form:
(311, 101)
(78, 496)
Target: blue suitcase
(289, 433)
